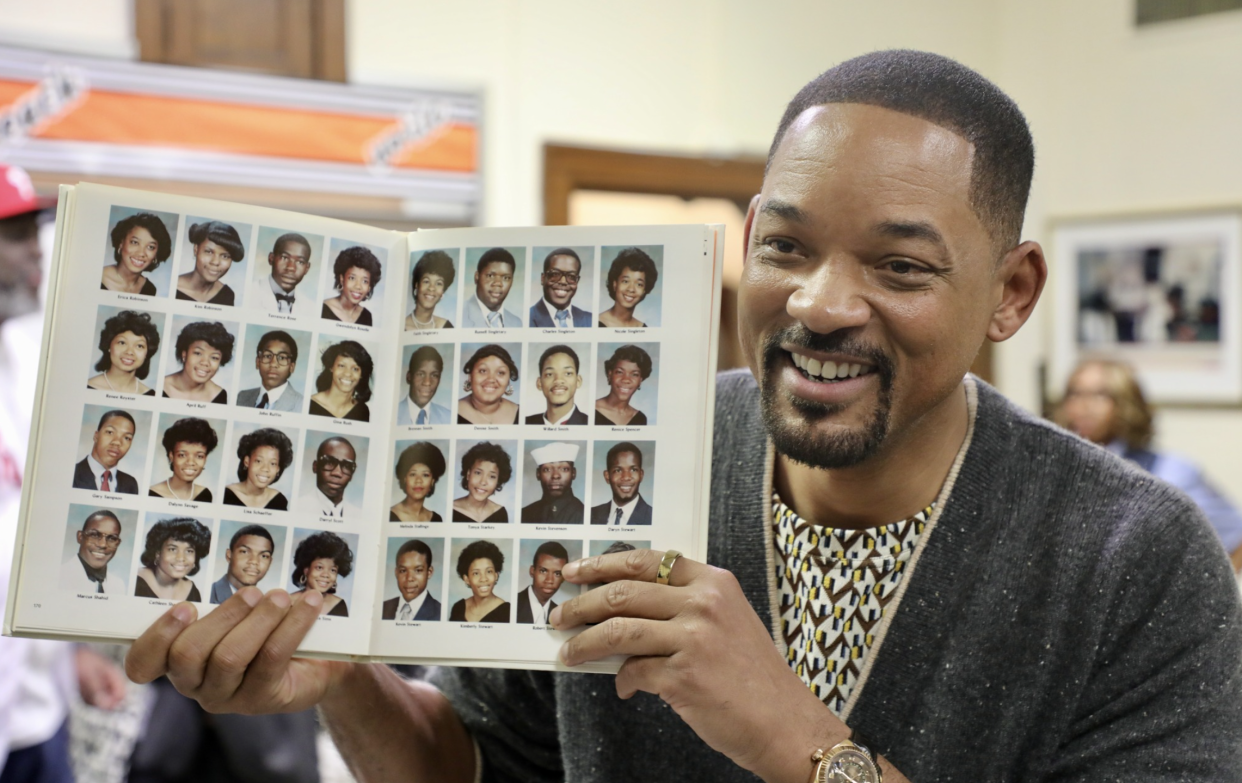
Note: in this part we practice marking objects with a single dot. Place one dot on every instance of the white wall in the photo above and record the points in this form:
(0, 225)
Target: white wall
(100, 28)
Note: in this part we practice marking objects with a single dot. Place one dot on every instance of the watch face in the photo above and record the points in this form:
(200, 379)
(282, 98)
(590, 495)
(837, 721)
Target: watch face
(852, 766)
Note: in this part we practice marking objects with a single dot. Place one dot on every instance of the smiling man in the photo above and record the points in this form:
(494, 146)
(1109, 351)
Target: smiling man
(546, 577)
(290, 260)
(493, 279)
(87, 570)
(111, 442)
(559, 381)
(623, 473)
(423, 377)
(247, 560)
(276, 359)
(554, 467)
(562, 269)
(415, 567)
(910, 578)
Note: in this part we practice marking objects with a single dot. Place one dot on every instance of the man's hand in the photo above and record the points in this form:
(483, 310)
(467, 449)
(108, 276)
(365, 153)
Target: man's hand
(698, 645)
(239, 658)
(100, 682)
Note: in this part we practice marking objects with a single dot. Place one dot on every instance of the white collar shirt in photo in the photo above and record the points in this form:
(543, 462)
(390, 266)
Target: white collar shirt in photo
(563, 319)
(272, 396)
(627, 511)
(495, 319)
(573, 409)
(408, 610)
(414, 410)
(97, 470)
(327, 508)
(284, 302)
(538, 611)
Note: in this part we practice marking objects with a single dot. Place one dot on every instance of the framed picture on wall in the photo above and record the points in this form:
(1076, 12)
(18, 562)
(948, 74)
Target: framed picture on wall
(1160, 292)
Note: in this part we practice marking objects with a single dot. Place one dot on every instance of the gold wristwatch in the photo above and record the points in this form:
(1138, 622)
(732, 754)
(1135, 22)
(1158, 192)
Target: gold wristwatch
(849, 761)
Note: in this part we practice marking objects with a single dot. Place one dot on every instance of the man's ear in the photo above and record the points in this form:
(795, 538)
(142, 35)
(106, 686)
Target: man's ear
(750, 222)
(1020, 276)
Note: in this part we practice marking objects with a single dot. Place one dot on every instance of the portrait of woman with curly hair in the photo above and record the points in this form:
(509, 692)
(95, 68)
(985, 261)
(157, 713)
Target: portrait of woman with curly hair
(174, 552)
(262, 458)
(631, 278)
(319, 561)
(479, 565)
(127, 344)
(203, 347)
(485, 469)
(355, 273)
(625, 372)
(188, 443)
(344, 384)
(140, 243)
(419, 468)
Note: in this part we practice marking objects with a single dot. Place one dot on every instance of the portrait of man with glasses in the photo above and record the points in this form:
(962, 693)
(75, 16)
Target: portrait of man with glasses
(290, 260)
(335, 465)
(275, 360)
(86, 571)
(562, 271)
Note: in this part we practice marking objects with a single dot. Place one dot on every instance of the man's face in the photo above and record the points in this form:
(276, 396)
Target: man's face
(560, 280)
(249, 560)
(112, 441)
(334, 468)
(275, 363)
(20, 265)
(866, 262)
(98, 540)
(545, 576)
(412, 574)
(1089, 407)
(559, 379)
(625, 476)
(492, 284)
(290, 263)
(557, 478)
(424, 382)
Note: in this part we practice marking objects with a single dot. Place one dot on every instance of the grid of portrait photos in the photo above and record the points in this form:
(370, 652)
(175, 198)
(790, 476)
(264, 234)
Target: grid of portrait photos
(422, 428)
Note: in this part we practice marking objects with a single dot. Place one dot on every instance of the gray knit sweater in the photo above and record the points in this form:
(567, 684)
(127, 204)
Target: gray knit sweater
(1069, 618)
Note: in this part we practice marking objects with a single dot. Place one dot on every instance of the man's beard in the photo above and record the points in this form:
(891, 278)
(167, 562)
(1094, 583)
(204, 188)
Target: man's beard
(795, 437)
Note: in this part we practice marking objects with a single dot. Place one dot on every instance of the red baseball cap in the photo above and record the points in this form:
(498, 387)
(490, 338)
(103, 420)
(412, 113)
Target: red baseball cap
(17, 193)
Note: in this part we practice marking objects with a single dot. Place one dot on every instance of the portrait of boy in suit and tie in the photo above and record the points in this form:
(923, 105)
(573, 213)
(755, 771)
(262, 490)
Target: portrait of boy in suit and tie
(564, 268)
(623, 473)
(559, 381)
(275, 364)
(284, 284)
(546, 580)
(424, 372)
(113, 438)
(496, 272)
(415, 567)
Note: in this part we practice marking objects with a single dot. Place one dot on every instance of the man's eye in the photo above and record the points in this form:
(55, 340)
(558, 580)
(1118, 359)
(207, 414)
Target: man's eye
(904, 267)
(781, 245)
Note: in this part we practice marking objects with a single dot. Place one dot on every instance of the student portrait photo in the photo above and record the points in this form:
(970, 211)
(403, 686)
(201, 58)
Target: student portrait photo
(140, 242)
(215, 246)
(283, 285)
(480, 566)
(552, 483)
(417, 584)
(631, 284)
(623, 472)
(128, 341)
(565, 270)
(334, 489)
(426, 399)
(536, 601)
(174, 551)
(433, 297)
(274, 383)
(490, 380)
(96, 536)
(203, 348)
(559, 382)
(106, 437)
(356, 275)
(343, 386)
(193, 464)
(323, 561)
(486, 468)
(263, 456)
(496, 271)
(248, 558)
(420, 466)
(630, 375)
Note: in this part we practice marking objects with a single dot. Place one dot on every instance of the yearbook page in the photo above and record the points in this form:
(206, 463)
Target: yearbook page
(559, 407)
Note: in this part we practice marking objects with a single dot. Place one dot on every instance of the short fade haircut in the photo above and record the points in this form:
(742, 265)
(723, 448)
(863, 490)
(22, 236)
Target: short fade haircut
(278, 336)
(423, 355)
(433, 262)
(945, 93)
(102, 513)
(552, 548)
(561, 251)
(497, 255)
(553, 351)
(414, 545)
(252, 530)
(116, 414)
(292, 237)
(623, 447)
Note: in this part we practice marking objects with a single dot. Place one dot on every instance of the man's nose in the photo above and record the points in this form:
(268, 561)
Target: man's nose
(831, 297)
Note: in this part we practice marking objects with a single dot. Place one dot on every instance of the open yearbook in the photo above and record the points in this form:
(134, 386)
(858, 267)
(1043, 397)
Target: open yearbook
(423, 427)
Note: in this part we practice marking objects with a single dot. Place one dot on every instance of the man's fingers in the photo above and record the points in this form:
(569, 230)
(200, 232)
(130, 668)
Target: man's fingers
(646, 673)
(147, 658)
(272, 659)
(190, 652)
(640, 565)
(620, 636)
(237, 651)
(625, 598)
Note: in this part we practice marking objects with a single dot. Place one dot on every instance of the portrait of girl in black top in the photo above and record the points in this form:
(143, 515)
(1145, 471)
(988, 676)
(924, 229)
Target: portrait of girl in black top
(217, 246)
(345, 383)
(140, 243)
